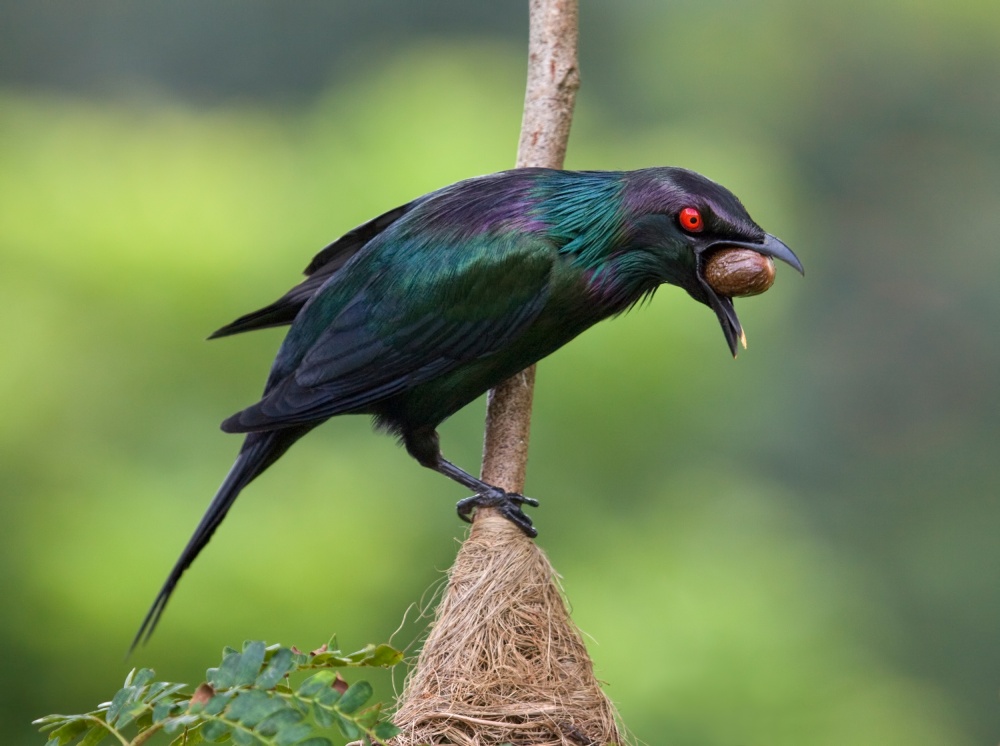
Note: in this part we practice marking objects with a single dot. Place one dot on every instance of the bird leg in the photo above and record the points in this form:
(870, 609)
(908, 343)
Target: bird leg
(423, 446)
(508, 504)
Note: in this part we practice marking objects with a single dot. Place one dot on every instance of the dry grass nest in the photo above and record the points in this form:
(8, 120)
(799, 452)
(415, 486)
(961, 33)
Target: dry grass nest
(503, 663)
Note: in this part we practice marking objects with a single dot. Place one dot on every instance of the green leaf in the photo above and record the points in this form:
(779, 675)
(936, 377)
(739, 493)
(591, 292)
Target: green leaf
(280, 720)
(132, 713)
(217, 703)
(252, 707)
(280, 663)
(224, 677)
(328, 660)
(347, 727)
(385, 656)
(332, 657)
(128, 702)
(214, 730)
(143, 677)
(162, 690)
(179, 722)
(250, 662)
(324, 716)
(94, 736)
(243, 738)
(69, 729)
(119, 702)
(361, 657)
(293, 734)
(355, 696)
(144, 718)
(385, 731)
(162, 710)
(316, 683)
(367, 719)
(192, 737)
(248, 701)
(327, 697)
(238, 669)
(66, 729)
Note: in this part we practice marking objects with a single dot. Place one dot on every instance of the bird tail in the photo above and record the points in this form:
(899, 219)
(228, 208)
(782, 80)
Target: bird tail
(259, 451)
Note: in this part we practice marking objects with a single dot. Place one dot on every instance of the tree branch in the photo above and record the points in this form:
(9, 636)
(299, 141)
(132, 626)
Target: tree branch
(553, 79)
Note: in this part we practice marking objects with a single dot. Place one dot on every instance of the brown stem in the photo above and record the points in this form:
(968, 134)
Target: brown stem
(553, 79)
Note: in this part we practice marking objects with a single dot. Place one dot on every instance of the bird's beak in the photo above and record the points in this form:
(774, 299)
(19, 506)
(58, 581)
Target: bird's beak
(775, 248)
(723, 305)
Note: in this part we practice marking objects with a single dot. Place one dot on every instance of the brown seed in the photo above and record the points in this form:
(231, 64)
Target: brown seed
(739, 272)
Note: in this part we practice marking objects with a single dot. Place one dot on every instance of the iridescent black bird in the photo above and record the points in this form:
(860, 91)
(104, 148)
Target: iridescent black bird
(412, 315)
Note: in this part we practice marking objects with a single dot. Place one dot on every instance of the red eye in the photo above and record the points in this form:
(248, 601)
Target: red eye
(691, 220)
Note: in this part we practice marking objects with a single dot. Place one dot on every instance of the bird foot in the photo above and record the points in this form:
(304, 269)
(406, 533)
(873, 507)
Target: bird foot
(508, 504)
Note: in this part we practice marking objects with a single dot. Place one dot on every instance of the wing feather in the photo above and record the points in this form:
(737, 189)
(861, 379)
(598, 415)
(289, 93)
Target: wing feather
(321, 268)
(407, 324)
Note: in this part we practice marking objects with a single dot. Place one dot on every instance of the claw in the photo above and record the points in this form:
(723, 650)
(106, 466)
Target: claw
(508, 504)
(513, 513)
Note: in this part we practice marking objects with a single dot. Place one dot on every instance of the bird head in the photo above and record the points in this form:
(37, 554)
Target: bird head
(682, 219)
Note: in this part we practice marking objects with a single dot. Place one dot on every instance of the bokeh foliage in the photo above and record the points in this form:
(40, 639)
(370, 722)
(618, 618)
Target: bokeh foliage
(798, 547)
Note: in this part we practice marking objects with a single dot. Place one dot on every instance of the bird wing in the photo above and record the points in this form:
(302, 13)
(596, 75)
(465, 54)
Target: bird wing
(406, 325)
(320, 269)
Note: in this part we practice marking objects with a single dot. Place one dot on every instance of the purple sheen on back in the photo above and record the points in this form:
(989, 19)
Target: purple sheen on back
(497, 203)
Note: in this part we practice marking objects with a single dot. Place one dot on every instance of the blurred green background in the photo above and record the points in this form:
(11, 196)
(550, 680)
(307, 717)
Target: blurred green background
(798, 547)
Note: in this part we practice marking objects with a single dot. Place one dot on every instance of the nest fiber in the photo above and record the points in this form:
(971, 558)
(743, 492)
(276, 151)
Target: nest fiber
(503, 663)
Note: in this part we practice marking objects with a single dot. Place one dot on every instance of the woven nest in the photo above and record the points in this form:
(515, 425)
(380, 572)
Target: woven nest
(503, 663)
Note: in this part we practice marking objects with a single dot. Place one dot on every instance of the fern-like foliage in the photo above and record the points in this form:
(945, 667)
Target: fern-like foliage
(249, 700)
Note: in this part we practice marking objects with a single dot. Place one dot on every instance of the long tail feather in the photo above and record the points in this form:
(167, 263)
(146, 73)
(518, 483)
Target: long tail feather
(259, 451)
(283, 311)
